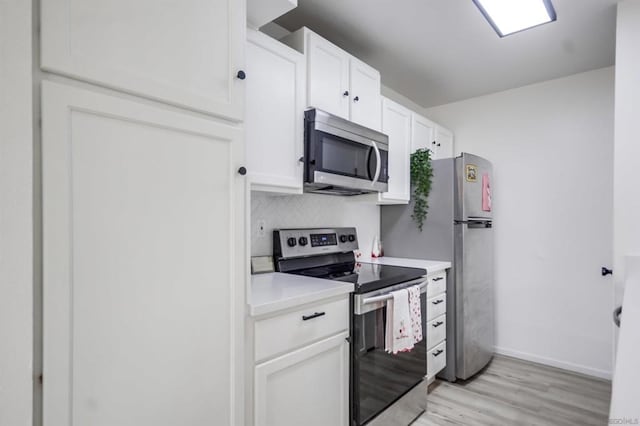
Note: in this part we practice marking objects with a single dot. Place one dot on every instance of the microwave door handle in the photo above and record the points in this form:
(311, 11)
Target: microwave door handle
(378, 163)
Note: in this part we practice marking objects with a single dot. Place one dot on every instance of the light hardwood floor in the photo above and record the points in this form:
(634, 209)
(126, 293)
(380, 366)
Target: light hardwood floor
(515, 392)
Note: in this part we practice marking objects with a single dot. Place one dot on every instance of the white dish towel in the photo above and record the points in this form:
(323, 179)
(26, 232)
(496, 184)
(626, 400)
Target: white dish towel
(399, 332)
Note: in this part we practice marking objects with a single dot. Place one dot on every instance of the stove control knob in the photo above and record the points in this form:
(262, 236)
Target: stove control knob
(343, 238)
(352, 237)
(303, 241)
(291, 242)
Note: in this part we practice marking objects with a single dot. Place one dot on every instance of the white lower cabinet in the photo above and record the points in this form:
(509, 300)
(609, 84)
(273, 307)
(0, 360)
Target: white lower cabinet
(274, 114)
(436, 333)
(309, 386)
(300, 359)
(437, 359)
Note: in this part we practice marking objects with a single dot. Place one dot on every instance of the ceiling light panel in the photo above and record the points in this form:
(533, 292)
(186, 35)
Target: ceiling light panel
(510, 16)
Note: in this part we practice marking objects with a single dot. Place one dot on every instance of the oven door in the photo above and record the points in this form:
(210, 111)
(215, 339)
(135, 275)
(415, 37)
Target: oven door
(336, 157)
(378, 378)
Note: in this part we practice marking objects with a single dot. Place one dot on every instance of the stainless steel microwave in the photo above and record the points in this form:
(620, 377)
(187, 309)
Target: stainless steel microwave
(343, 158)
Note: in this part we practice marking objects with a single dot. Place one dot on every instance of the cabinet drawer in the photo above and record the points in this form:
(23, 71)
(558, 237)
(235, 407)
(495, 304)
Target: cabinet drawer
(294, 329)
(436, 359)
(436, 331)
(437, 284)
(436, 306)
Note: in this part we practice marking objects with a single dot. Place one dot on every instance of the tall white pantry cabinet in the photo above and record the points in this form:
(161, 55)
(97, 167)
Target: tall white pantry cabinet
(143, 212)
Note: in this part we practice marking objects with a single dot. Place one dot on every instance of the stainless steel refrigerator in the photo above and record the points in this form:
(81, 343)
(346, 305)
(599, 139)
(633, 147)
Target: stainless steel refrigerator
(458, 228)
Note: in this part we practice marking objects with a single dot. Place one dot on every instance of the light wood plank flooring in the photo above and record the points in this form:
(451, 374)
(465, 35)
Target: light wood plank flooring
(515, 392)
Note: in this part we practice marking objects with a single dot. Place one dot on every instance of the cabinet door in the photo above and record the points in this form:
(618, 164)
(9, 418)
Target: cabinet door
(423, 133)
(365, 95)
(444, 143)
(328, 76)
(143, 264)
(184, 52)
(396, 123)
(274, 114)
(309, 386)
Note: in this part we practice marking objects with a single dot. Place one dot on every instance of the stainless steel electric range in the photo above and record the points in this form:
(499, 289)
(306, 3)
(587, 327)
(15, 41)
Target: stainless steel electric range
(385, 389)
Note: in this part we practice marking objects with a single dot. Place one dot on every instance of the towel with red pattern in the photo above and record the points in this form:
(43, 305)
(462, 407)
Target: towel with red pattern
(404, 320)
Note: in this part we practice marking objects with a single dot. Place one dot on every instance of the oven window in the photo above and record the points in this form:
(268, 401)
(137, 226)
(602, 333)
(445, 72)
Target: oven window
(379, 378)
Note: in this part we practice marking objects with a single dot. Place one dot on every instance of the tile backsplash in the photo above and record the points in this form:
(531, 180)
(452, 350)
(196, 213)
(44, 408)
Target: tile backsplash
(309, 211)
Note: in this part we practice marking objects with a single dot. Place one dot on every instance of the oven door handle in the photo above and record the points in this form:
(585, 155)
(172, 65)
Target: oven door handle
(378, 163)
(386, 296)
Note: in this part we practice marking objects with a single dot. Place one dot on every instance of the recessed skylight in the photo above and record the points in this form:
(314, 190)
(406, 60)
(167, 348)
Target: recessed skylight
(510, 16)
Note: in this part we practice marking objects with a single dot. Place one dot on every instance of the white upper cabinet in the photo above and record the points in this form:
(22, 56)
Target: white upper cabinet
(365, 94)
(396, 123)
(274, 114)
(423, 133)
(187, 53)
(335, 79)
(328, 76)
(427, 134)
(444, 143)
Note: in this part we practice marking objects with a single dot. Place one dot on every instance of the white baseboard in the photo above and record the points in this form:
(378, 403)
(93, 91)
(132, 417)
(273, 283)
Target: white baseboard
(577, 368)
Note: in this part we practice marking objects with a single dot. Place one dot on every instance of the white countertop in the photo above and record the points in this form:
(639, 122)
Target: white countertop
(430, 265)
(275, 291)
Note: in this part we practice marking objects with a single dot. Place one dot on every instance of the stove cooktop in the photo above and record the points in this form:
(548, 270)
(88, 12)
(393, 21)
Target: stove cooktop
(365, 276)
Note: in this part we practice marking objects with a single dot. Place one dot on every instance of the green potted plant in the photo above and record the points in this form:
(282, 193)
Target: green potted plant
(421, 175)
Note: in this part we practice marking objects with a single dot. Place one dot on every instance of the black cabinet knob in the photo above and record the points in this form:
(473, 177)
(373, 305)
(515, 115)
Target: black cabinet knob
(346, 93)
(606, 271)
(356, 99)
(241, 75)
(242, 170)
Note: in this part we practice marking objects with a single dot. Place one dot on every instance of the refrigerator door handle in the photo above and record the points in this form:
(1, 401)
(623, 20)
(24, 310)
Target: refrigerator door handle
(475, 223)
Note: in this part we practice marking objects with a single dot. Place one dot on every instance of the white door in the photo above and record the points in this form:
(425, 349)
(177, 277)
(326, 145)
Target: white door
(365, 95)
(423, 133)
(308, 387)
(328, 76)
(186, 52)
(444, 143)
(274, 115)
(143, 264)
(396, 123)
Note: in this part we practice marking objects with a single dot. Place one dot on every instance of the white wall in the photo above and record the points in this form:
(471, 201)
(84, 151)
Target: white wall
(16, 220)
(627, 139)
(311, 210)
(551, 145)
